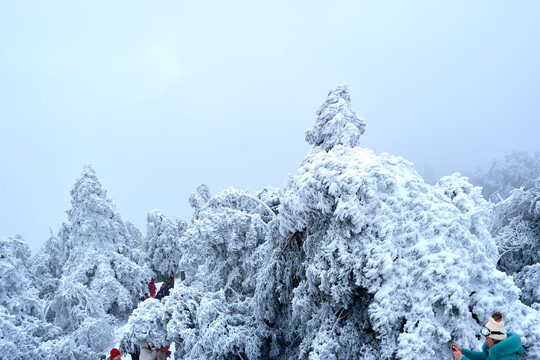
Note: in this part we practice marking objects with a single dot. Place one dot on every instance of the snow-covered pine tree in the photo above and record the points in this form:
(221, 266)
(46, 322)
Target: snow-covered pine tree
(516, 228)
(162, 245)
(100, 253)
(337, 123)
(22, 326)
(210, 314)
(90, 279)
(86, 329)
(380, 264)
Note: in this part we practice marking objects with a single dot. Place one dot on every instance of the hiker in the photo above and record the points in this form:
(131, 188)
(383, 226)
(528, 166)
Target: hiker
(152, 288)
(148, 352)
(171, 281)
(161, 293)
(115, 354)
(166, 286)
(499, 345)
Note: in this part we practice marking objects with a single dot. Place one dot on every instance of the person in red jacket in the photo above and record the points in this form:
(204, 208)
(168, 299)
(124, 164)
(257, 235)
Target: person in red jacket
(152, 288)
(115, 354)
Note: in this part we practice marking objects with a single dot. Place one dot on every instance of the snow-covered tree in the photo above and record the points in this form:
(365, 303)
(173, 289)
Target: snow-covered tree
(516, 228)
(88, 274)
(473, 207)
(47, 266)
(199, 198)
(22, 327)
(162, 245)
(375, 263)
(101, 256)
(78, 311)
(517, 170)
(210, 314)
(136, 243)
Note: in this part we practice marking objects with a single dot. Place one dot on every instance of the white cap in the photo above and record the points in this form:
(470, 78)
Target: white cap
(494, 325)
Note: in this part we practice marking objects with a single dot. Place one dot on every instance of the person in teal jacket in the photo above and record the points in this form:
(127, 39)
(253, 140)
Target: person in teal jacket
(499, 345)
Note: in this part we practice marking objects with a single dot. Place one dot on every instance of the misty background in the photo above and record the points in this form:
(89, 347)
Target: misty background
(163, 97)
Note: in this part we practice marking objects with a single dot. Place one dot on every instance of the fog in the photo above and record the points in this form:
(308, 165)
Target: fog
(161, 98)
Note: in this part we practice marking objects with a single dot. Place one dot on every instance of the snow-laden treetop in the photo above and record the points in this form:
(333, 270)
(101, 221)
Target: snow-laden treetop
(337, 123)
(88, 196)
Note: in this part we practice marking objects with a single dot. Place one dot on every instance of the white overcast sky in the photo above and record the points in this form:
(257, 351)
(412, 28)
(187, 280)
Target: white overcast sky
(162, 96)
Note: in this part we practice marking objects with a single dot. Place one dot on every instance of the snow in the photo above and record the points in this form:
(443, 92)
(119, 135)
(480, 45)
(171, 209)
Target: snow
(378, 265)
